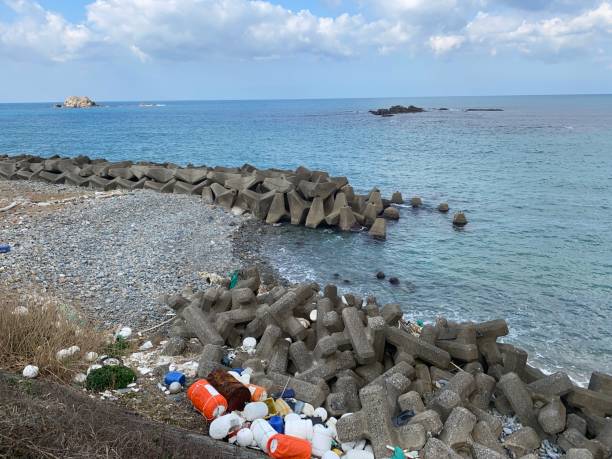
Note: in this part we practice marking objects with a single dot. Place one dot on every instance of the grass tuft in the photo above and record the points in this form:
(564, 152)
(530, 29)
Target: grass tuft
(33, 328)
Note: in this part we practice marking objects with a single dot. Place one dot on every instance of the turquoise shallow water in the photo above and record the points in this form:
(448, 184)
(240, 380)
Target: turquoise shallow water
(534, 179)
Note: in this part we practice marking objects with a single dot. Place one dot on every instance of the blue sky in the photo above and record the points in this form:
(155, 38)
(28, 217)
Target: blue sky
(241, 49)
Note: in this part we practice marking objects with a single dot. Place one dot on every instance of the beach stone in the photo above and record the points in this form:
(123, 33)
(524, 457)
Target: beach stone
(601, 382)
(278, 210)
(576, 422)
(556, 384)
(430, 420)
(176, 345)
(391, 213)
(519, 398)
(552, 416)
(458, 429)
(522, 442)
(394, 280)
(416, 202)
(411, 401)
(482, 452)
(443, 207)
(436, 449)
(579, 453)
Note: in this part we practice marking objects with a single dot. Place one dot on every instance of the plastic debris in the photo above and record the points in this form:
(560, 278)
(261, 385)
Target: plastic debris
(124, 333)
(206, 399)
(174, 376)
(5, 248)
(146, 346)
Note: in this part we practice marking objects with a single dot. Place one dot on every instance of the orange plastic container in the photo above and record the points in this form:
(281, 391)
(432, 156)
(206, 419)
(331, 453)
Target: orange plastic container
(258, 393)
(287, 447)
(206, 399)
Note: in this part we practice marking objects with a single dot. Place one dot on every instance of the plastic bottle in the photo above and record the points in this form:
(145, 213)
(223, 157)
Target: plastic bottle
(206, 399)
(244, 437)
(301, 428)
(255, 410)
(277, 423)
(221, 427)
(321, 440)
(262, 432)
(174, 376)
(287, 447)
(258, 393)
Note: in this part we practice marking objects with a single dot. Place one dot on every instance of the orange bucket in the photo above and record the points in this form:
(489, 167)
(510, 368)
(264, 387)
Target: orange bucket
(206, 399)
(258, 393)
(287, 447)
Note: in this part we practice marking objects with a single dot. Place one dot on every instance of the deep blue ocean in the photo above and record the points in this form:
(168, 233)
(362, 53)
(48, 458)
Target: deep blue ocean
(534, 179)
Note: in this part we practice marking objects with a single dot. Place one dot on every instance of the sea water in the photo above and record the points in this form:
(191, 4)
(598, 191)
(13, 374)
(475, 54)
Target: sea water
(535, 181)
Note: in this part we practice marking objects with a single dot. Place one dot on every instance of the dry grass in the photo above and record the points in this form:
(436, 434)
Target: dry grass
(34, 327)
(42, 419)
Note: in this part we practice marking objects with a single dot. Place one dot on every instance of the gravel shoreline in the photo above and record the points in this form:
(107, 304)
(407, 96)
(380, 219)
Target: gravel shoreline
(117, 256)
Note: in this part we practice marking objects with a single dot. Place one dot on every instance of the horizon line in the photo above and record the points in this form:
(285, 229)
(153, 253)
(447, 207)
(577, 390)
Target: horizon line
(280, 99)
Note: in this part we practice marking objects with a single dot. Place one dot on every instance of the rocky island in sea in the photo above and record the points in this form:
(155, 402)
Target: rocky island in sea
(77, 102)
(396, 109)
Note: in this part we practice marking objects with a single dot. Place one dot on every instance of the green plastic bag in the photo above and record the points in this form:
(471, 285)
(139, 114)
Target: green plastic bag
(234, 280)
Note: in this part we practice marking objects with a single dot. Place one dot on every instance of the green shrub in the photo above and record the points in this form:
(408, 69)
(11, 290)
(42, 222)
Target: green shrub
(117, 348)
(110, 377)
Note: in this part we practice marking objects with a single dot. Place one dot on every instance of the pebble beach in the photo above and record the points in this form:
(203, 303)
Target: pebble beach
(114, 254)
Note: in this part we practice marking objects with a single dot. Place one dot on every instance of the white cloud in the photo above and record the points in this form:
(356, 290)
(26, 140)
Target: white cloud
(41, 34)
(545, 37)
(189, 29)
(442, 44)
(256, 29)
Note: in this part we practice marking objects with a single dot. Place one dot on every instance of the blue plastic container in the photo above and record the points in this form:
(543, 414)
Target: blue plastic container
(277, 424)
(174, 376)
(5, 248)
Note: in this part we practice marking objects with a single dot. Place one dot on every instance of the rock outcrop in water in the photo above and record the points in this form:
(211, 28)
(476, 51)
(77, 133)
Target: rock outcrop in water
(396, 109)
(78, 102)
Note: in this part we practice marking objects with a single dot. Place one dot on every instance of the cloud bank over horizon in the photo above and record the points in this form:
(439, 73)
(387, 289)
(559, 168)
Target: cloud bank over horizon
(186, 30)
(191, 31)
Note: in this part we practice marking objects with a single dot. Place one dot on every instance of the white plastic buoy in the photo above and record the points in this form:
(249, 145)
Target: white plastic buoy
(244, 437)
(30, 371)
(313, 315)
(124, 333)
(80, 378)
(91, 356)
(175, 387)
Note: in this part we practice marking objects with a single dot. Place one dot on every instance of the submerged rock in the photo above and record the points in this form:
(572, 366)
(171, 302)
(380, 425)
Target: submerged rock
(459, 219)
(395, 109)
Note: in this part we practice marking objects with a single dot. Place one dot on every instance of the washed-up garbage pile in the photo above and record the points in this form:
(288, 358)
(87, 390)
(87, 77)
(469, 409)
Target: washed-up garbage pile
(302, 197)
(298, 373)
